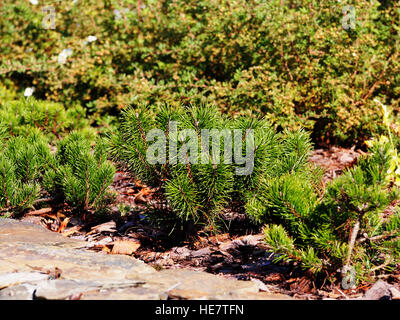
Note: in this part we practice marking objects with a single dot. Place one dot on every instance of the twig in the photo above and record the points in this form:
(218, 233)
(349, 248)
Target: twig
(382, 266)
(352, 240)
(40, 212)
(372, 89)
(341, 292)
(382, 236)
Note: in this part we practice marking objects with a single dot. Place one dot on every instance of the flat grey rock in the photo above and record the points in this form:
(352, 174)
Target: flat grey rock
(380, 290)
(19, 292)
(14, 278)
(36, 263)
(65, 289)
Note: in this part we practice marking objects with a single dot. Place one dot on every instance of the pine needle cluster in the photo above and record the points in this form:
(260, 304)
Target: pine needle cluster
(326, 229)
(331, 231)
(78, 173)
(196, 191)
(21, 170)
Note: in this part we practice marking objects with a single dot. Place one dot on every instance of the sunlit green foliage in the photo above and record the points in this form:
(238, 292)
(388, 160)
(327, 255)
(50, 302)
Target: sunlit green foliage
(195, 189)
(78, 173)
(314, 227)
(291, 61)
(20, 117)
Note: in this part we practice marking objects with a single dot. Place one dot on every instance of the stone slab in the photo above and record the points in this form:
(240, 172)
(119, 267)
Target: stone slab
(36, 263)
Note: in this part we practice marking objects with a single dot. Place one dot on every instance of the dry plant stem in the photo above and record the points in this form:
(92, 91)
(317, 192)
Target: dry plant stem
(353, 237)
(382, 266)
(380, 237)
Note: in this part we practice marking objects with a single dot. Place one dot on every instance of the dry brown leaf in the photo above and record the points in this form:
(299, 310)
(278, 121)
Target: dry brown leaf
(139, 198)
(63, 225)
(71, 231)
(125, 247)
(220, 238)
(145, 191)
(276, 277)
(108, 226)
(129, 191)
(106, 249)
(301, 285)
(143, 195)
(139, 183)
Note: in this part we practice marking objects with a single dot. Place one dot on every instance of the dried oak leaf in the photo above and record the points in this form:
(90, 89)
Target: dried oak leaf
(125, 247)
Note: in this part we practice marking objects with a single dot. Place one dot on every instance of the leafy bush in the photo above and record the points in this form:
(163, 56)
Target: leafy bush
(6, 94)
(291, 61)
(198, 182)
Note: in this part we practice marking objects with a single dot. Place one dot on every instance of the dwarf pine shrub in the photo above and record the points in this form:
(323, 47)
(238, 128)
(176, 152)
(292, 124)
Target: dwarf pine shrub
(339, 232)
(80, 174)
(21, 170)
(202, 161)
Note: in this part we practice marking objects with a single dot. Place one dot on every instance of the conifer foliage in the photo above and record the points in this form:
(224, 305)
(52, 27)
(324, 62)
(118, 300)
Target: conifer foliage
(198, 185)
(78, 173)
(21, 170)
(347, 230)
(338, 229)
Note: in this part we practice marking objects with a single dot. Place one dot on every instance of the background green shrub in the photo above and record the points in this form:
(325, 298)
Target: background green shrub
(291, 61)
(6, 94)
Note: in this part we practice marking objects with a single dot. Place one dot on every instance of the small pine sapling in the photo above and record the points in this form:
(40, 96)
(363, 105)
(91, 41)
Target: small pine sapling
(195, 190)
(286, 180)
(21, 171)
(342, 230)
(80, 173)
(209, 160)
